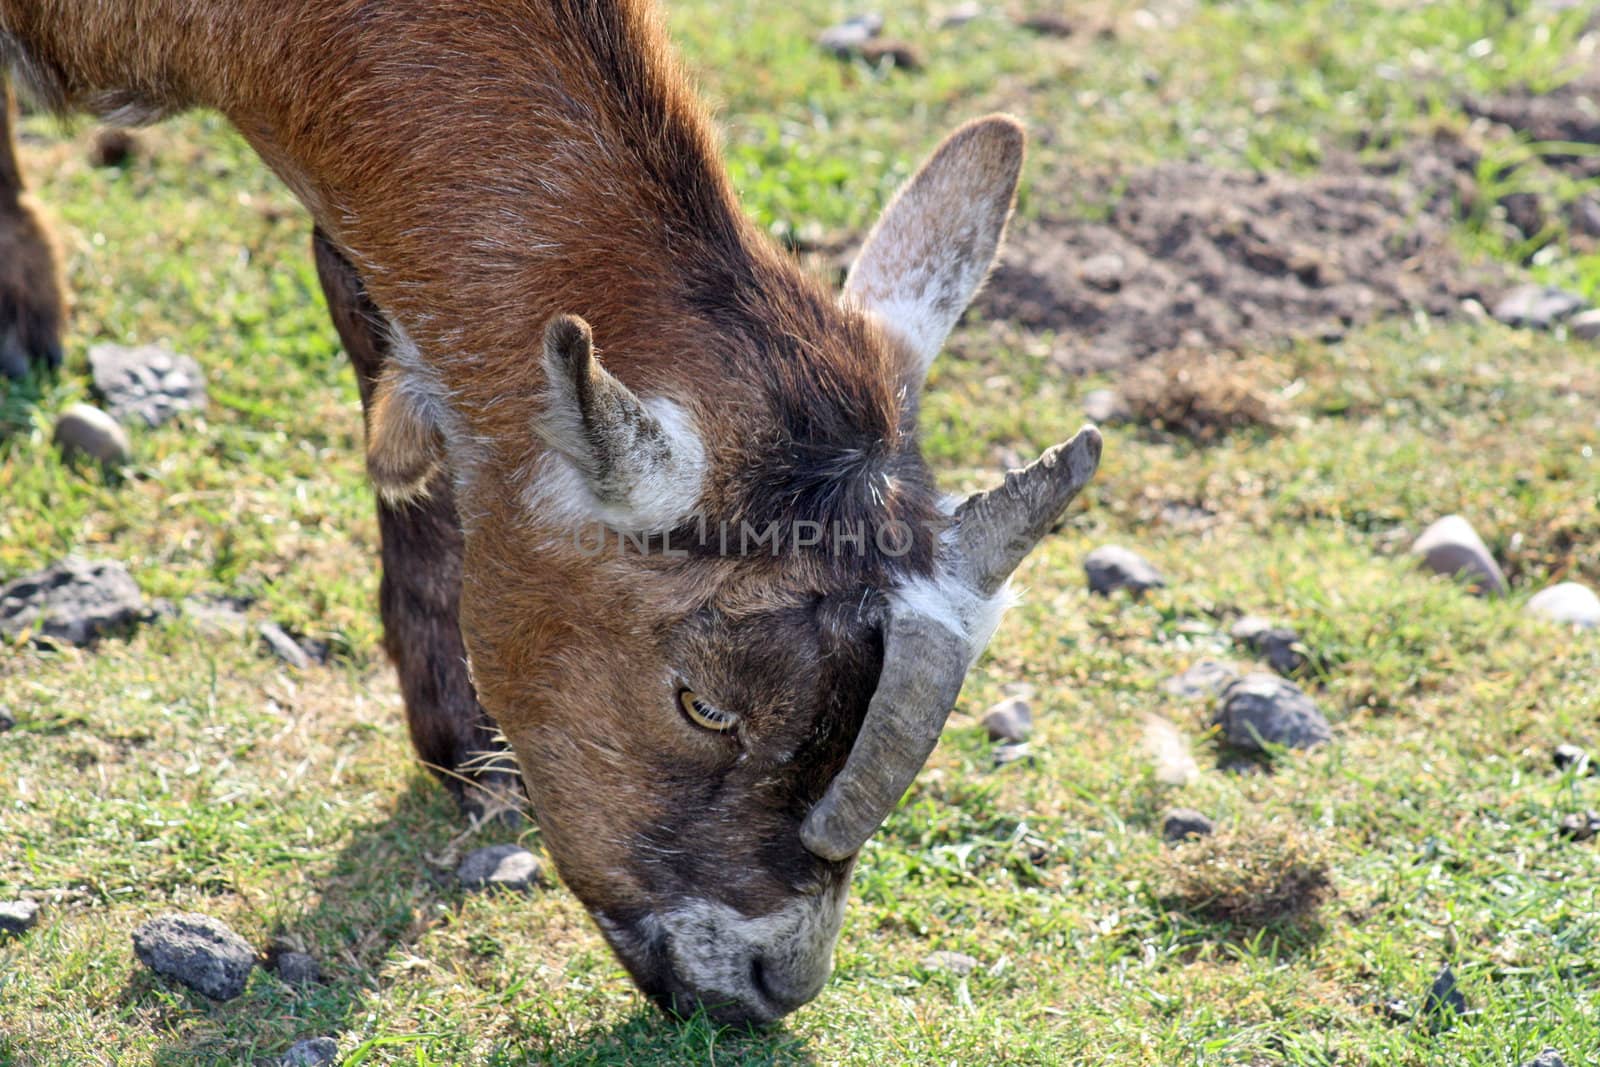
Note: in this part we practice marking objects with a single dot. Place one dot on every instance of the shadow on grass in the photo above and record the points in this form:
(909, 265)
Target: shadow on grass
(381, 896)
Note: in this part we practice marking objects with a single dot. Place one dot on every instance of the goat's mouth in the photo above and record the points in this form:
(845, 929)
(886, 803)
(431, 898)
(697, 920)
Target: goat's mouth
(749, 991)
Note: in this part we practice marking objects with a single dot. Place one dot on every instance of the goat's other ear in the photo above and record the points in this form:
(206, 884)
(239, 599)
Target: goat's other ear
(930, 251)
(404, 447)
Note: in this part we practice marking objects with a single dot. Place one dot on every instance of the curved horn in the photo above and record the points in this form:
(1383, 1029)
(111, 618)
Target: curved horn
(924, 664)
(995, 530)
(925, 661)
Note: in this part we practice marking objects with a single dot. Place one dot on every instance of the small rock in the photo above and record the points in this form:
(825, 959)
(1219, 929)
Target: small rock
(84, 429)
(847, 38)
(1452, 547)
(1009, 720)
(1263, 709)
(1106, 407)
(113, 147)
(1444, 1002)
(1047, 25)
(1205, 678)
(1021, 690)
(900, 54)
(313, 1052)
(959, 16)
(1279, 645)
(1183, 824)
(297, 968)
(148, 382)
(8, 719)
(283, 646)
(1548, 1058)
(1572, 758)
(1012, 752)
(1585, 326)
(1104, 272)
(956, 963)
(1569, 602)
(1537, 307)
(1580, 826)
(75, 601)
(198, 951)
(18, 916)
(506, 866)
(217, 616)
(1585, 216)
(1112, 567)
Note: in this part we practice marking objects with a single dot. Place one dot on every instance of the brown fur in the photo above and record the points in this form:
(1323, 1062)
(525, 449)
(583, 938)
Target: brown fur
(32, 308)
(475, 168)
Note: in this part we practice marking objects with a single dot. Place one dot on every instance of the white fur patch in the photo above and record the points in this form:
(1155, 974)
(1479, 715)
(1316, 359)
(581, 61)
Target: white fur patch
(951, 603)
(712, 947)
(658, 497)
(425, 393)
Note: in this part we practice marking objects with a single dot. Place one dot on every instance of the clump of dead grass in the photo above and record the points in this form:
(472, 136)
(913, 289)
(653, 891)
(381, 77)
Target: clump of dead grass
(1203, 396)
(1252, 876)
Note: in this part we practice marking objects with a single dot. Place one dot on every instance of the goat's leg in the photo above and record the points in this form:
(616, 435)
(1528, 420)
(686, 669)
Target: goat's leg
(31, 308)
(421, 584)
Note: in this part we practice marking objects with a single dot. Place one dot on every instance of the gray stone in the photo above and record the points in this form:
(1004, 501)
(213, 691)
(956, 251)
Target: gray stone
(147, 382)
(1113, 567)
(84, 429)
(1184, 824)
(8, 719)
(1585, 326)
(198, 951)
(1205, 678)
(1104, 272)
(18, 916)
(1444, 1002)
(1009, 720)
(313, 1052)
(1278, 645)
(959, 16)
(1105, 407)
(217, 616)
(848, 37)
(506, 866)
(75, 601)
(1548, 1058)
(1572, 758)
(283, 646)
(1585, 215)
(1537, 307)
(956, 963)
(1263, 709)
(1579, 826)
(1013, 752)
(1452, 547)
(297, 968)
(1569, 602)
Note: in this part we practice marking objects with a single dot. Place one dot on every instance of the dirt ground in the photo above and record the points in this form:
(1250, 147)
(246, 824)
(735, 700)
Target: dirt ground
(1191, 257)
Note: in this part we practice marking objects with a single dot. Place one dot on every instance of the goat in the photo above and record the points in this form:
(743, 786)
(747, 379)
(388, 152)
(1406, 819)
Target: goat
(503, 191)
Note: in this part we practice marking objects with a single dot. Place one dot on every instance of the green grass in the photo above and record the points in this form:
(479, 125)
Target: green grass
(178, 770)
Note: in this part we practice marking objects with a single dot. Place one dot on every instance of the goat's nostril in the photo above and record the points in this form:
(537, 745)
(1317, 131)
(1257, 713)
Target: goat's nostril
(758, 981)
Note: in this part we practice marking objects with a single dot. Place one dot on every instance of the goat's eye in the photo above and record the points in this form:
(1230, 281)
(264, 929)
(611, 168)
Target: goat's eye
(704, 715)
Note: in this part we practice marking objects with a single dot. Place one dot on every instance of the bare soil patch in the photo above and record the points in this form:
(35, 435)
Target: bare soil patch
(1569, 114)
(1193, 257)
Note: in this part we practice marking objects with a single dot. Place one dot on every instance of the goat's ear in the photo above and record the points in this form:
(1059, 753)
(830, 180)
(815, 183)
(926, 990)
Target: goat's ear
(640, 464)
(925, 259)
(404, 447)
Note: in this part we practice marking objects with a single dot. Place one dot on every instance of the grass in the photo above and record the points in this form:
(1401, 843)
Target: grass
(179, 769)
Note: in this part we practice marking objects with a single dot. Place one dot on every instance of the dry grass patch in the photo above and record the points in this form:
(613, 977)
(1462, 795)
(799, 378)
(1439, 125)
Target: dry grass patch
(1252, 876)
(1204, 397)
